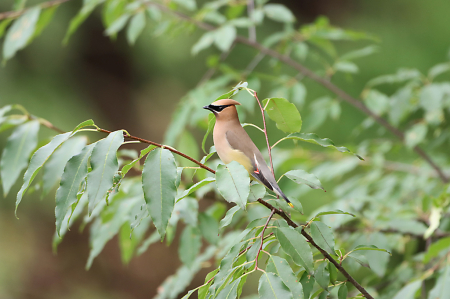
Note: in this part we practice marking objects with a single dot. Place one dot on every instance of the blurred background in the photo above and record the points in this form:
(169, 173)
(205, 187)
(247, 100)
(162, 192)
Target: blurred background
(137, 89)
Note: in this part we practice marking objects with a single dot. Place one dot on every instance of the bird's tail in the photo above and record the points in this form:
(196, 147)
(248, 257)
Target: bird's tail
(278, 191)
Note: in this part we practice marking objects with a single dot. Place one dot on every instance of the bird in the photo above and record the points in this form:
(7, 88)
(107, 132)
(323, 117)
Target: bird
(232, 143)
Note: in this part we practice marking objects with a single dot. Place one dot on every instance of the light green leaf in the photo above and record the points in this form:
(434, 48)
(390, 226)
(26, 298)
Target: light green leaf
(74, 174)
(203, 291)
(402, 75)
(104, 166)
(342, 293)
(54, 168)
(190, 243)
(211, 123)
(415, 135)
(230, 290)
(76, 21)
(44, 19)
(369, 247)
(133, 163)
(209, 228)
(86, 123)
(435, 219)
(158, 181)
(118, 24)
(272, 287)
(438, 69)
(224, 37)
(284, 114)
(302, 177)
(279, 13)
(346, 67)
(204, 42)
(195, 187)
(3, 25)
(360, 259)
(369, 50)
(409, 291)
(281, 267)
(323, 236)
(295, 245)
(436, 248)
(137, 24)
(20, 32)
(313, 138)
(257, 191)
(233, 183)
(322, 276)
(442, 287)
(333, 213)
(377, 102)
(228, 217)
(188, 4)
(18, 148)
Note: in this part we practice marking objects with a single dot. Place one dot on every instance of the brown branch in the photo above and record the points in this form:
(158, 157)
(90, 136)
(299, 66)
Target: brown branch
(16, 14)
(262, 238)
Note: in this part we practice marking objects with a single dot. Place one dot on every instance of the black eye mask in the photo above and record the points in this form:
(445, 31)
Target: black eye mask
(216, 108)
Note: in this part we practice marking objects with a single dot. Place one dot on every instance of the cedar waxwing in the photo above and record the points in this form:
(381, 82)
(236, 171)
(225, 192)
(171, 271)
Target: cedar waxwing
(233, 144)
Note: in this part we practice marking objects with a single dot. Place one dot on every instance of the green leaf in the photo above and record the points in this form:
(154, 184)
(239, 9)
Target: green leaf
(211, 123)
(18, 148)
(230, 290)
(342, 293)
(228, 217)
(74, 174)
(190, 243)
(302, 177)
(295, 245)
(54, 168)
(118, 25)
(322, 276)
(346, 67)
(332, 213)
(284, 114)
(360, 259)
(435, 248)
(209, 228)
(368, 247)
(279, 13)
(224, 37)
(76, 21)
(438, 69)
(203, 291)
(104, 166)
(204, 42)
(442, 287)
(415, 135)
(137, 24)
(369, 50)
(233, 183)
(435, 219)
(409, 291)
(195, 187)
(272, 287)
(20, 32)
(188, 4)
(257, 191)
(323, 236)
(313, 138)
(44, 19)
(133, 163)
(3, 25)
(158, 181)
(402, 75)
(307, 282)
(281, 267)
(86, 123)
(129, 239)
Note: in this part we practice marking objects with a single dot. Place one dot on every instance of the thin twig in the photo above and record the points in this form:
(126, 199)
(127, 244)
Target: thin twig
(16, 14)
(262, 238)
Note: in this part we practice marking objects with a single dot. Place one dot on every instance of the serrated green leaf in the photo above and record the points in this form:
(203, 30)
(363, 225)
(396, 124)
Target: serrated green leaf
(20, 32)
(279, 13)
(135, 28)
(195, 187)
(409, 290)
(295, 245)
(281, 267)
(211, 123)
(209, 228)
(104, 166)
(158, 181)
(74, 174)
(272, 287)
(323, 236)
(322, 276)
(190, 243)
(284, 114)
(342, 293)
(224, 37)
(54, 167)
(133, 163)
(313, 138)
(302, 177)
(233, 183)
(18, 148)
(228, 217)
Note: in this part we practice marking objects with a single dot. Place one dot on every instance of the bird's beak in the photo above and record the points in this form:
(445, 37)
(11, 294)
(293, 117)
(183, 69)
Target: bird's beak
(208, 108)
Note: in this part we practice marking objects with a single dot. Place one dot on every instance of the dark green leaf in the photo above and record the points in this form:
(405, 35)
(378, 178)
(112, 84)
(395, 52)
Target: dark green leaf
(302, 177)
(137, 24)
(233, 183)
(436, 248)
(369, 247)
(294, 244)
(158, 181)
(325, 142)
(342, 293)
(323, 236)
(20, 32)
(281, 267)
(360, 259)
(18, 148)
(54, 167)
(104, 166)
(209, 228)
(228, 217)
(190, 243)
(322, 276)
(333, 273)
(307, 281)
(3, 25)
(74, 174)
(211, 123)
(284, 114)
(272, 287)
